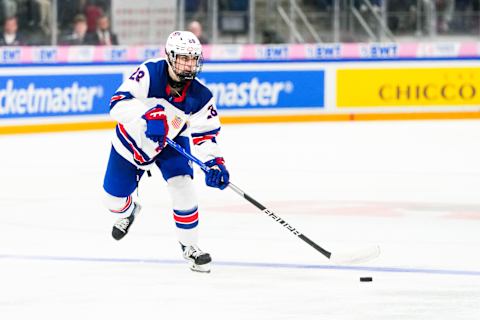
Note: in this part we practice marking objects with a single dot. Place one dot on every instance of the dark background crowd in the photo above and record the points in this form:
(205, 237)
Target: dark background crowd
(79, 22)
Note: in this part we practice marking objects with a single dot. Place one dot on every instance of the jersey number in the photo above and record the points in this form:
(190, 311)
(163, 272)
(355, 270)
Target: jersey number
(137, 75)
(213, 112)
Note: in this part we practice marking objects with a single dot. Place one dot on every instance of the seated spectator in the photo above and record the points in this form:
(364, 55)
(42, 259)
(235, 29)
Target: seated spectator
(103, 35)
(196, 28)
(93, 12)
(10, 35)
(78, 34)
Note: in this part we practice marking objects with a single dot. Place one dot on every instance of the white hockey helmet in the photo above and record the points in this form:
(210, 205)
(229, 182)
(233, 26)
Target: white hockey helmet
(184, 43)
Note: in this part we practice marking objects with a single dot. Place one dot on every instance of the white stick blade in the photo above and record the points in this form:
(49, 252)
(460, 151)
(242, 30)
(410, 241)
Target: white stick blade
(353, 257)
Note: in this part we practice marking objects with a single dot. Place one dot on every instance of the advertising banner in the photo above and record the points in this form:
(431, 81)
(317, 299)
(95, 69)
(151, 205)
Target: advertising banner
(27, 96)
(420, 87)
(266, 89)
(76, 97)
(37, 95)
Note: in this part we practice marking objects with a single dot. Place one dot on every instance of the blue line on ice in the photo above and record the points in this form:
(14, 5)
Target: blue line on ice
(249, 264)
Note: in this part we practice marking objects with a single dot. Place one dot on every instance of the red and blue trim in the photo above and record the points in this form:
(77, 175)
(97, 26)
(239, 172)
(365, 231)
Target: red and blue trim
(186, 219)
(199, 138)
(139, 155)
(120, 96)
(127, 205)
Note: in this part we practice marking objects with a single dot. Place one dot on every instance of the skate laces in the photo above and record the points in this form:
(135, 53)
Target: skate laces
(193, 251)
(122, 224)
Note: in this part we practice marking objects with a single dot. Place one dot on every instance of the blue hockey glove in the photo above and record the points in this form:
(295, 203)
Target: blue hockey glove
(157, 125)
(217, 176)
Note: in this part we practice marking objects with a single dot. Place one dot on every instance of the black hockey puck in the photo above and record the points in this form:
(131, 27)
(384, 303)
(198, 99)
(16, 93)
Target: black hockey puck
(366, 279)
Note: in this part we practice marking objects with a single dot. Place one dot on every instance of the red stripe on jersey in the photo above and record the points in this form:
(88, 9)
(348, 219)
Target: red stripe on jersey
(117, 97)
(136, 154)
(186, 219)
(197, 140)
(125, 208)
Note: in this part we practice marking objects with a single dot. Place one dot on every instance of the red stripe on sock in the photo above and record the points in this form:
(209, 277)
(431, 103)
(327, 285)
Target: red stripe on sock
(186, 219)
(125, 208)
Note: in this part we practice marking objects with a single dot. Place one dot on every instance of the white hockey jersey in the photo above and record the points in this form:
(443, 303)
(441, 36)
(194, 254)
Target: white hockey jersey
(193, 114)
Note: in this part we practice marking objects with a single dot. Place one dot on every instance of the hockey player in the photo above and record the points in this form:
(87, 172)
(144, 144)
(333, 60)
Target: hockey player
(163, 99)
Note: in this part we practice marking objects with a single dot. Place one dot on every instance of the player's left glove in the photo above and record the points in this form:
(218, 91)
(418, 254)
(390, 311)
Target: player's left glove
(217, 176)
(157, 125)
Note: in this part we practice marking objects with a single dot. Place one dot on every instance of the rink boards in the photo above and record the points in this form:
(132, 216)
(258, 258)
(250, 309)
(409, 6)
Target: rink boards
(75, 96)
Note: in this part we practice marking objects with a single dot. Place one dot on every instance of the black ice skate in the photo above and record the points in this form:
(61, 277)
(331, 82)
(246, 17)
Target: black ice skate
(120, 228)
(199, 261)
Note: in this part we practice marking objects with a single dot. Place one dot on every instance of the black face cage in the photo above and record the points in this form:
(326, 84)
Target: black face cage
(185, 75)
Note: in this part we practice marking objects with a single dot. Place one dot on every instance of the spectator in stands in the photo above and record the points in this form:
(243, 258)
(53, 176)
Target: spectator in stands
(10, 35)
(78, 34)
(196, 28)
(103, 35)
(93, 12)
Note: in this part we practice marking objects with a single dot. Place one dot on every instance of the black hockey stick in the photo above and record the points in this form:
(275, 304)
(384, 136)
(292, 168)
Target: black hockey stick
(360, 256)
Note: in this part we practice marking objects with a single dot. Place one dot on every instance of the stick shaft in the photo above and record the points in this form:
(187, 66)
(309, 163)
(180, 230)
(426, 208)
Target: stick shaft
(257, 204)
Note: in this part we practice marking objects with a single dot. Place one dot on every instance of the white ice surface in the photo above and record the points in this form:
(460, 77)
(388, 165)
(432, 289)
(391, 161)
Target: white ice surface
(411, 187)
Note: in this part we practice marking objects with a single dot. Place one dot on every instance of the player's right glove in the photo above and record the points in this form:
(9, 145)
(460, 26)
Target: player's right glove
(157, 125)
(217, 176)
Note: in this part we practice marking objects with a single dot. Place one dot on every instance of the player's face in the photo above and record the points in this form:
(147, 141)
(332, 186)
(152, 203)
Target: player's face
(185, 64)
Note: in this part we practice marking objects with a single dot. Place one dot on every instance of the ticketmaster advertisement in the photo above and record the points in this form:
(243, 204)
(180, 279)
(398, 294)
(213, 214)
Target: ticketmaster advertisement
(82, 92)
(29, 96)
(266, 89)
